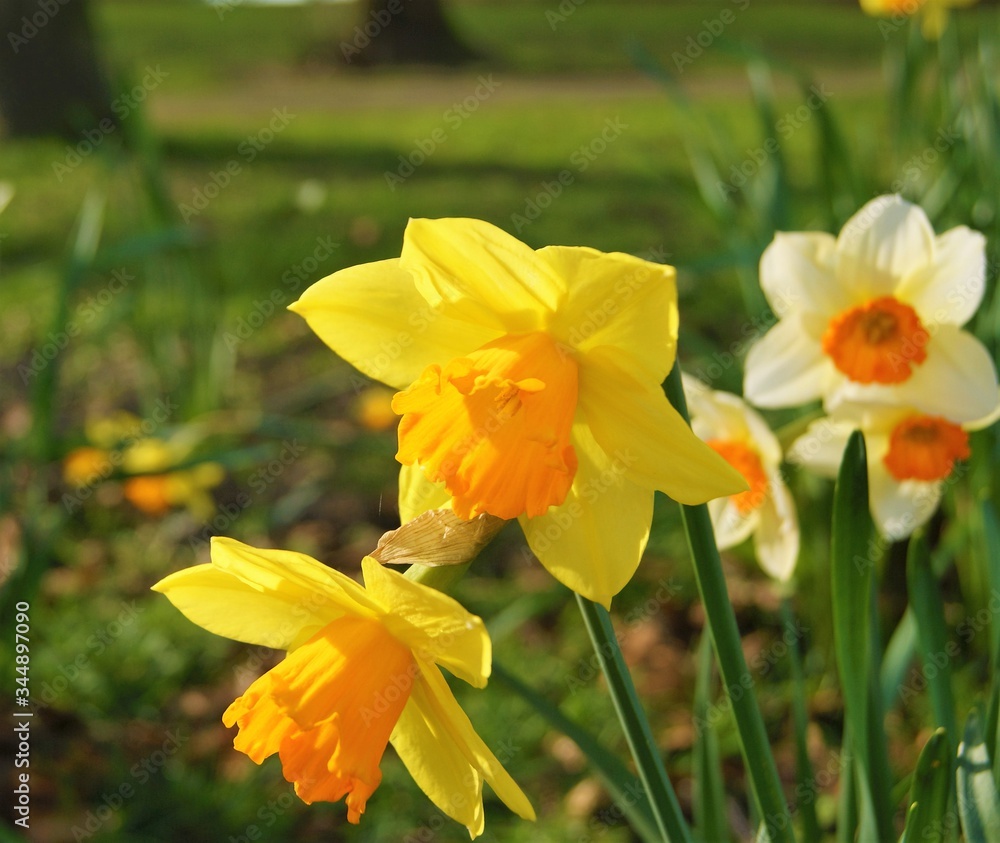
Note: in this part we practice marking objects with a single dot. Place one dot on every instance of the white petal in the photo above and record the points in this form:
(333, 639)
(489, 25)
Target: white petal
(731, 526)
(950, 289)
(957, 380)
(785, 367)
(899, 508)
(882, 244)
(716, 414)
(985, 421)
(797, 273)
(776, 540)
(821, 447)
(760, 434)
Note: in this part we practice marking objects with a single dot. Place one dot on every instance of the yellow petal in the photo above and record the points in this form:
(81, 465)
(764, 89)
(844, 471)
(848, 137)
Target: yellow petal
(593, 542)
(482, 272)
(417, 494)
(445, 716)
(308, 585)
(223, 604)
(619, 301)
(438, 766)
(373, 316)
(433, 625)
(640, 426)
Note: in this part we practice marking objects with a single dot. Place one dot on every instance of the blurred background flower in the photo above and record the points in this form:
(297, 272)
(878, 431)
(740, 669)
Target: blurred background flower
(156, 474)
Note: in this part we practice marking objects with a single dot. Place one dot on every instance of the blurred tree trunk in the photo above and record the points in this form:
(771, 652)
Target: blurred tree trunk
(51, 81)
(406, 32)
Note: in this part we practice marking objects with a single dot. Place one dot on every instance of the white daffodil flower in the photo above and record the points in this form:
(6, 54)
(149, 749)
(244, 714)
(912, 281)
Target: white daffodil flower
(766, 511)
(912, 457)
(874, 316)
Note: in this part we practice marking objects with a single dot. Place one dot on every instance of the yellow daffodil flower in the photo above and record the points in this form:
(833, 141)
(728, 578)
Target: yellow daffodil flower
(361, 671)
(531, 388)
(766, 511)
(933, 13)
(911, 458)
(874, 317)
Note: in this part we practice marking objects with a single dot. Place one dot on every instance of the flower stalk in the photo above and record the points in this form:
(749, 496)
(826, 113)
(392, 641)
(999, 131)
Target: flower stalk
(640, 738)
(762, 771)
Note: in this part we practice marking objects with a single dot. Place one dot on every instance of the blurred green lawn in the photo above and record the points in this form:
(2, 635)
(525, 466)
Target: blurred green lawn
(126, 673)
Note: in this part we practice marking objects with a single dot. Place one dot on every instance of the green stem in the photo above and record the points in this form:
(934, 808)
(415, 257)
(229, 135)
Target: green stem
(442, 578)
(637, 732)
(754, 745)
